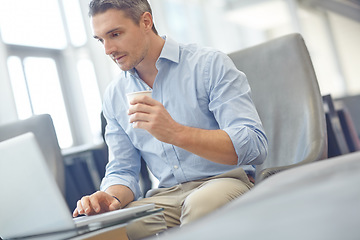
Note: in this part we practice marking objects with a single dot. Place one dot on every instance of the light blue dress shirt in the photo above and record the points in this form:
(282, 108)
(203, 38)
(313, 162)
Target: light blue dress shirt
(200, 87)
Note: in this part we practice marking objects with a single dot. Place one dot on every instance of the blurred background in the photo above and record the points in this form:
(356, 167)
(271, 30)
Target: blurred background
(49, 62)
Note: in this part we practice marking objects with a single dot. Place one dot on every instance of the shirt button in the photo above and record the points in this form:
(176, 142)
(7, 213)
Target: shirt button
(176, 166)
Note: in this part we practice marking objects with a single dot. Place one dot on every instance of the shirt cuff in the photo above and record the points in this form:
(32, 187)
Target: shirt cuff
(111, 181)
(249, 146)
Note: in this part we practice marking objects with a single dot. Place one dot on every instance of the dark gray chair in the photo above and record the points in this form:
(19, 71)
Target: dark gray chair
(348, 126)
(286, 94)
(341, 127)
(337, 144)
(352, 103)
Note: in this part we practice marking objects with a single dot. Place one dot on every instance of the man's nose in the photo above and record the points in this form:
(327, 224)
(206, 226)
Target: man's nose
(109, 47)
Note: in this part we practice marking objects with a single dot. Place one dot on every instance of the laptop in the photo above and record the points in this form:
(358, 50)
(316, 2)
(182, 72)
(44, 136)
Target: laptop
(31, 202)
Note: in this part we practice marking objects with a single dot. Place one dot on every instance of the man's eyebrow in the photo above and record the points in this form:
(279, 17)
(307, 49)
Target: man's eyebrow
(108, 32)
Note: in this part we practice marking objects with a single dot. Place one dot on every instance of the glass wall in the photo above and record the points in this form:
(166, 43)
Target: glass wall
(332, 39)
(52, 64)
(39, 36)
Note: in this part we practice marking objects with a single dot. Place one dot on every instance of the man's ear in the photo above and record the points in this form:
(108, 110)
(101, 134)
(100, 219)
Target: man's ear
(147, 21)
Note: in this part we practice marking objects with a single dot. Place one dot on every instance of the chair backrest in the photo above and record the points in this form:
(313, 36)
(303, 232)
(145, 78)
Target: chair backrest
(347, 122)
(352, 103)
(337, 144)
(348, 126)
(43, 129)
(286, 94)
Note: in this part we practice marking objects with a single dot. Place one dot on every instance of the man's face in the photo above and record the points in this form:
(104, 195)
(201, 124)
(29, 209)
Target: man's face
(123, 40)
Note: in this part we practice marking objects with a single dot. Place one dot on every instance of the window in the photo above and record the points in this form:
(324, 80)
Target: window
(91, 94)
(19, 87)
(37, 90)
(47, 62)
(18, 18)
(74, 22)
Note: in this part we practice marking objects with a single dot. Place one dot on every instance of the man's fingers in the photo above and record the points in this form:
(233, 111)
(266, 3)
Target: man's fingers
(115, 205)
(143, 99)
(85, 202)
(79, 210)
(140, 108)
(75, 213)
(139, 117)
(94, 202)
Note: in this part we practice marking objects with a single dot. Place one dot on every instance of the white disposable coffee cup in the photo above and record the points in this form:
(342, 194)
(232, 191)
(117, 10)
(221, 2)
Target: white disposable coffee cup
(131, 96)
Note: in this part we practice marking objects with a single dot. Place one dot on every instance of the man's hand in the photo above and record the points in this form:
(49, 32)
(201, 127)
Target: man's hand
(214, 145)
(151, 115)
(97, 202)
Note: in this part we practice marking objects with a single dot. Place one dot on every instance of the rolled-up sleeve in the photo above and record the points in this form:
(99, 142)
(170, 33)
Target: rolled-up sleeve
(124, 159)
(234, 110)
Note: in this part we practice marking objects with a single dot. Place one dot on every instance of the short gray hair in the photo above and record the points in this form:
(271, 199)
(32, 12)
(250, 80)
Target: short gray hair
(133, 9)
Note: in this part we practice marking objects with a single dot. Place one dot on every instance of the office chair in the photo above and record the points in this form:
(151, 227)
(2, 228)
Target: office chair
(337, 144)
(286, 94)
(352, 104)
(43, 128)
(342, 133)
(348, 126)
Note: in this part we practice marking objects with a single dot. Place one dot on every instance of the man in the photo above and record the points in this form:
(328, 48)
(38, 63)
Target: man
(199, 134)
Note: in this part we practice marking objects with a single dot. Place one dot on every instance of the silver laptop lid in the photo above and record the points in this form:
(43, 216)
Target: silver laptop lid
(31, 201)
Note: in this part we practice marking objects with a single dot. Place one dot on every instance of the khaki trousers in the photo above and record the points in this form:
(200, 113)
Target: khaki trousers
(187, 202)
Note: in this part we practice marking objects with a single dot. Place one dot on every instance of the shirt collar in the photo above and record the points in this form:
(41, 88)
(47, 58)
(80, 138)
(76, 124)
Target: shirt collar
(170, 50)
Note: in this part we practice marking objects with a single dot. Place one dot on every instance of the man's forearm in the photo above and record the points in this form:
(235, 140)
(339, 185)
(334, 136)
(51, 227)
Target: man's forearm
(214, 145)
(151, 115)
(122, 193)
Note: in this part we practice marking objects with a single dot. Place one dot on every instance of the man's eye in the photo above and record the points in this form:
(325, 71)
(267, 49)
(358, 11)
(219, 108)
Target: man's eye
(116, 34)
(100, 40)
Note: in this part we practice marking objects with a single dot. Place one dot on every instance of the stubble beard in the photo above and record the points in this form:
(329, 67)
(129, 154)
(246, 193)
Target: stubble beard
(133, 64)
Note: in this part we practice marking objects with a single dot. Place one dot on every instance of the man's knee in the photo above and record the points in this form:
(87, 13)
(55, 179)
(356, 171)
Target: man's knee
(210, 196)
